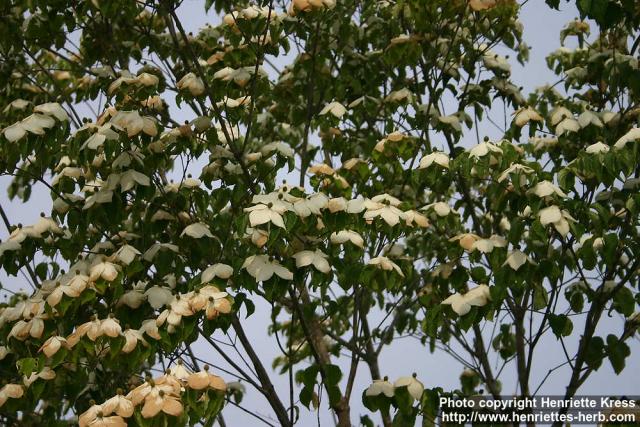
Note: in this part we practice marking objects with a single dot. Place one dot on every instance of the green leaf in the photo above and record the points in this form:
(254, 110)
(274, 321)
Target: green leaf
(561, 325)
(617, 351)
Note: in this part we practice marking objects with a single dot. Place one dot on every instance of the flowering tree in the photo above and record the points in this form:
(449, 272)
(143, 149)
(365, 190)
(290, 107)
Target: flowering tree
(325, 169)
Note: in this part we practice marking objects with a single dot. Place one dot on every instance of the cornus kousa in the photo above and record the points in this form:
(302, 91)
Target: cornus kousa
(293, 191)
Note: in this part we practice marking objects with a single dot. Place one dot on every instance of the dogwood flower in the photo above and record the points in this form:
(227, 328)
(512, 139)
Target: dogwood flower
(517, 259)
(545, 189)
(380, 387)
(192, 83)
(131, 339)
(203, 379)
(558, 218)
(597, 148)
(10, 391)
(262, 268)
(483, 149)
(436, 157)
(133, 123)
(461, 304)
(103, 270)
(158, 296)
(385, 264)
(344, 236)
(414, 387)
(261, 214)
(197, 230)
(316, 258)
(334, 108)
(525, 115)
(222, 271)
(567, 125)
(631, 136)
(52, 345)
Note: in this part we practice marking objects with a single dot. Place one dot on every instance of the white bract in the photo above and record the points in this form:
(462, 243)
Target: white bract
(461, 304)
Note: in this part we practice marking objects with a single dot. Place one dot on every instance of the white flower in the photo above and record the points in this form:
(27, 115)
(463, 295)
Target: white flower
(559, 219)
(126, 254)
(222, 271)
(380, 387)
(383, 206)
(337, 204)
(517, 259)
(515, 168)
(281, 147)
(558, 114)
(589, 118)
(414, 387)
(344, 236)
(262, 214)
(105, 270)
(436, 157)
(158, 296)
(567, 125)
(52, 345)
(386, 264)
(483, 149)
(440, 208)
(631, 136)
(52, 109)
(412, 216)
(262, 268)
(461, 304)
(192, 83)
(545, 189)
(335, 108)
(311, 205)
(399, 95)
(525, 115)
(316, 258)
(487, 245)
(133, 123)
(597, 148)
(35, 123)
(132, 177)
(197, 231)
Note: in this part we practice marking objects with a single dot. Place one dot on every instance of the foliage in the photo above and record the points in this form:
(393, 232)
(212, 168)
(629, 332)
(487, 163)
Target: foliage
(333, 182)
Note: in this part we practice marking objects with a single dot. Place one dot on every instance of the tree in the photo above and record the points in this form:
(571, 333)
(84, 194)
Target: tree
(323, 171)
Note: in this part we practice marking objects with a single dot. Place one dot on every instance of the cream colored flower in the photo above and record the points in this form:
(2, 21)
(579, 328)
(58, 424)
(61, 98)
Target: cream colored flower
(197, 230)
(192, 83)
(103, 270)
(558, 218)
(526, 115)
(10, 391)
(262, 268)
(436, 157)
(414, 387)
(483, 149)
(335, 108)
(385, 264)
(316, 258)
(631, 136)
(597, 148)
(545, 189)
(461, 304)
(222, 271)
(380, 387)
(344, 236)
(52, 345)
(131, 338)
(261, 214)
(517, 259)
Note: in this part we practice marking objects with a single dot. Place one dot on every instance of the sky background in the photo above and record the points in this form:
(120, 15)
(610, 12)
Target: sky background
(405, 356)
